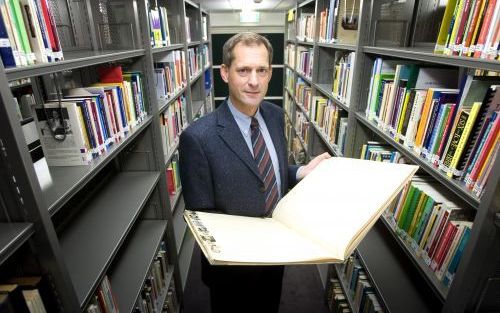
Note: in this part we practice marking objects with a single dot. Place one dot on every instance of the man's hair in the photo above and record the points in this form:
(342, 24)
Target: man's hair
(247, 39)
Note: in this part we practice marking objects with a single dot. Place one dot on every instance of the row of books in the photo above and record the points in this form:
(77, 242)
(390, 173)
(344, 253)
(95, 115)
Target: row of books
(170, 74)
(26, 295)
(172, 122)
(336, 299)
(173, 176)
(155, 284)
(329, 118)
(453, 126)
(28, 33)
(305, 61)
(339, 22)
(290, 52)
(434, 226)
(205, 55)
(288, 104)
(158, 27)
(104, 300)
(358, 287)
(289, 80)
(87, 121)
(470, 28)
(303, 93)
(302, 127)
(305, 27)
(342, 76)
(298, 151)
(195, 63)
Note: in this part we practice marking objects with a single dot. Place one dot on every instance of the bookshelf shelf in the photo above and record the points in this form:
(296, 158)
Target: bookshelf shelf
(195, 77)
(289, 67)
(171, 153)
(338, 46)
(303, 110)
(304, 77)
(344, 287)
(180, 225)
(128, 275)
(164, 103)
(90, 243)
(194, 43)
(290, 41)
(455, 186)
(175, 199)
(397, 283)
(425, 54)
(333, 148)
(323, 88)
(66, 181)
(197, 105)
(72, 60)
(13, 236)
(427, 273)
(305, 43)
(176, 46)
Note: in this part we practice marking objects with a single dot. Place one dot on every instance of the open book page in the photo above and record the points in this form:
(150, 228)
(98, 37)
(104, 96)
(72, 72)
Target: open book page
(230, 239)
(336, 204)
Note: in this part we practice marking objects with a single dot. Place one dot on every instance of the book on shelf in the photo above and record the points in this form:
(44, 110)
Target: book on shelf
(342, 76)
(470, 28)
(323, 216)
(103, 300)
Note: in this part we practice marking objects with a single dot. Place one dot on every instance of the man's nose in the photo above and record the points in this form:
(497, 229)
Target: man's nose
(253, 79)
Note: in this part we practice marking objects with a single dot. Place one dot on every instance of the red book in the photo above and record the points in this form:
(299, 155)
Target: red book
(170, 181)
(485, 28)
(470, 32)
(444, 245)
(461, 27)
(110, 74)
(447, 129)
(439, 232)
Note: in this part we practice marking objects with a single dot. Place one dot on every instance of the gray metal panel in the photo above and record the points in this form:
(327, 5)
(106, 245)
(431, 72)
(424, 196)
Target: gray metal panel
(164, 103)
(180, 225)
(168, 157)
(185, 256)
(324, 90)
(72, 60)
(66, 181)
(193, 79)
(194, 43)
(400, 286)
(127, 277)
(13, 236)
(333, 148)
(455, 186)
(168, 48)
(338, 46)
(90, 243)
(426, 54)
(196, 106)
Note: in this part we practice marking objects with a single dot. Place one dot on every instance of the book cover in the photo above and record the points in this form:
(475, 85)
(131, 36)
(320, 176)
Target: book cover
(310, 224)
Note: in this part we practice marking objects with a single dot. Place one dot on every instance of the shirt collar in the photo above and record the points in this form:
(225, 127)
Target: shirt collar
(242, 119)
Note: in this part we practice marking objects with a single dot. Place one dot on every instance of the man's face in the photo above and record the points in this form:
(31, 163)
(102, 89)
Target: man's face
(247, 77)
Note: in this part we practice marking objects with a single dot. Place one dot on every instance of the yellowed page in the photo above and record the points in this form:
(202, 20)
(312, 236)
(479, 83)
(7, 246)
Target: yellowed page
(229, 239)
(335, 203)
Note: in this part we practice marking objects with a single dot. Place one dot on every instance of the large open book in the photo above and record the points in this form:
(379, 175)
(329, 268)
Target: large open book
(321, 220)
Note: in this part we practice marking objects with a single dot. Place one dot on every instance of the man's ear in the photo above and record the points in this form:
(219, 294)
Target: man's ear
(224, 72)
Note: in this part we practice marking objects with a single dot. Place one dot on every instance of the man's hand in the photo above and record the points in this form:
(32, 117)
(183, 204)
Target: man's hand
(306, 169)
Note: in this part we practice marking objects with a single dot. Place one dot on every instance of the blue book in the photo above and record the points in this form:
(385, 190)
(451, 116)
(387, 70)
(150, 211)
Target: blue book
(5, 48)
(452, 268)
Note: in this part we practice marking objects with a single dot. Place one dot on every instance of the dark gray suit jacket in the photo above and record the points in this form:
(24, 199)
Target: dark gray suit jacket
(217, 169)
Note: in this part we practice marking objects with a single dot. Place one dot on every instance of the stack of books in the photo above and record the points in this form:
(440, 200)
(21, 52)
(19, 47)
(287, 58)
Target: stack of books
(104, 301)
(342, 76)
(158, 27)
(172, 122)
(306, 24)
(195, 63)
(305, 61)
(339, 22)
(327, 117)
(170, 74)
(303, 94)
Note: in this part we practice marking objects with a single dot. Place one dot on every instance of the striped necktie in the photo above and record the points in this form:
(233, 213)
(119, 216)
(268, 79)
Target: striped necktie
(265, 166)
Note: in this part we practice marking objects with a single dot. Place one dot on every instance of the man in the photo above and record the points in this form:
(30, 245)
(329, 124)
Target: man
(234, 161)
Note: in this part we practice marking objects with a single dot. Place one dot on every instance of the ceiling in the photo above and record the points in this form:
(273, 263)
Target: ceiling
(237, 5)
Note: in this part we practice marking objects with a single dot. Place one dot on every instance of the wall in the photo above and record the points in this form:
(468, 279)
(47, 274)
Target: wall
(228, 22)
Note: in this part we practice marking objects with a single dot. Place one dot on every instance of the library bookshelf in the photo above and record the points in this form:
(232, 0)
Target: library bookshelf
(402, 33)
(115, 221)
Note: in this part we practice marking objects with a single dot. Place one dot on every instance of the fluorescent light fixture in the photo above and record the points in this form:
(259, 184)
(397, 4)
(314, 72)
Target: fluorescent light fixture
(249, 17)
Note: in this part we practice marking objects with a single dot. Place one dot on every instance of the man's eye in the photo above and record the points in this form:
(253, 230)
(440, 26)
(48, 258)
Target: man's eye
(244, 71)
(262, 71)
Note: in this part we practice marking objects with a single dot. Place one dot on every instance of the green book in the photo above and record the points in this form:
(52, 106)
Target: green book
(418, 213)
(404, 211)
(21, 29)
(419, 230)
(411, 209)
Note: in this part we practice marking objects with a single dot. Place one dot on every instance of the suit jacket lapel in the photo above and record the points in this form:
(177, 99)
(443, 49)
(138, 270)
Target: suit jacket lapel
(277, 138)
(229, 132)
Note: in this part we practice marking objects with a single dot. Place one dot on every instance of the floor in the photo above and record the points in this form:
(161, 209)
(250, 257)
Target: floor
(302, 290)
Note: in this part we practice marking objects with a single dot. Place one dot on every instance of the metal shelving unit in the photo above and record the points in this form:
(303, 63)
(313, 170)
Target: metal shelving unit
(109, 217)
(401, 278)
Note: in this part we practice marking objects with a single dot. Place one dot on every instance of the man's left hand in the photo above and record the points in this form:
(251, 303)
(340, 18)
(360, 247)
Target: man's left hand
(306, 169)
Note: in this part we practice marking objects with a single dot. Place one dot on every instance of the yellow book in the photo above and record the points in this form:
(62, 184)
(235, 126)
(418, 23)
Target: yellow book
(84, 133)
(423, 119)
(336, 75)
(125, 98)
(488, 157)
(445, 25)
(430, 225)
(456, 26)
(418, 213)
(465, 135)
(403, 112)
(476, 31)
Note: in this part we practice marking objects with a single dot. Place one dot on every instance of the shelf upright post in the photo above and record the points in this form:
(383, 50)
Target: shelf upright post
(477, 280)
(29, 200)
(92, 29)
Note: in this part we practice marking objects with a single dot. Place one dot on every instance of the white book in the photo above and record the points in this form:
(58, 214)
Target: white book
(321, 220)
